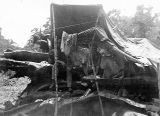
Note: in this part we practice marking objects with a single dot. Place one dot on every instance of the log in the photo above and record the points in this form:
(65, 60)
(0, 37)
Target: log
(39, 73)
(23, 55)
(33, 70)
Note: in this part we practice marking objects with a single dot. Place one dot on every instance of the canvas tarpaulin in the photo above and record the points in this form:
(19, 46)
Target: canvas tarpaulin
(74, 18)
(79, 18)
(142, 47)
(112, 58)
(84, 20)
(92, 26)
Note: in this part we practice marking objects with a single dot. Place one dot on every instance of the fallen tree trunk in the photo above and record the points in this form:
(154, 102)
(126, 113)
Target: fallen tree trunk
(33, 70)
(23, 55)
(39, 73)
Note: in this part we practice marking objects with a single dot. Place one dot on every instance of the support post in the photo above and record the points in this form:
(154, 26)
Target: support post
(54, 43)
(158, 72)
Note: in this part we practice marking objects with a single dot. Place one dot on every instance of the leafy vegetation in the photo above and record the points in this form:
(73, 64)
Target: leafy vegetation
(144, 24)
(7, 44)
(11, 88)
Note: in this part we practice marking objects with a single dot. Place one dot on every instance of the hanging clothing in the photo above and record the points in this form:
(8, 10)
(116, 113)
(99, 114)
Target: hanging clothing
(80, 56)
(67, 42)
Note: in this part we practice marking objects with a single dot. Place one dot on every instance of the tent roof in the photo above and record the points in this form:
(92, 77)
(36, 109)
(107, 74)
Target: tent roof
(74, 18)
(79, 18)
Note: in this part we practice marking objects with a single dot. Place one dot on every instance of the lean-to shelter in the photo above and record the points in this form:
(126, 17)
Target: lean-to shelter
(87, 38)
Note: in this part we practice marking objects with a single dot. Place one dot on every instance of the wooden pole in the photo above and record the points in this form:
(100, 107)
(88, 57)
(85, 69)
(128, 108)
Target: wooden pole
(52, 25)
(54, 42)
(93, 67)
(158, 72)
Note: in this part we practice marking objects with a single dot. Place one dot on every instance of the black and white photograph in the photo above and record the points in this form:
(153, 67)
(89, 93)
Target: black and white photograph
(79, 57)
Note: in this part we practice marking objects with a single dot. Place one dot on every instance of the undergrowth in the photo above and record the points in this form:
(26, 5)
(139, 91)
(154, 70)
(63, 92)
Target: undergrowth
(11, 87)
